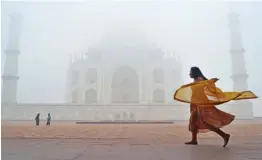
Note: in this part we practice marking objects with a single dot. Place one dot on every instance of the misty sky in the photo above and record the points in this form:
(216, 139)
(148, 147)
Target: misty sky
(197, 32)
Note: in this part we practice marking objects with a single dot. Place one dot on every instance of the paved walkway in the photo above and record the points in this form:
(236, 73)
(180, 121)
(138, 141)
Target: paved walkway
(124, 142)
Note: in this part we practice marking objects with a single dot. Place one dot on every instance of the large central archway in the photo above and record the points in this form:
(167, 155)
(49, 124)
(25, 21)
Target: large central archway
(125, 86)
(90, 97)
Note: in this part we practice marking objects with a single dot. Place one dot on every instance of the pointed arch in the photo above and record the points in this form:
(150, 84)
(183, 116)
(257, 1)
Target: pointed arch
(125, 86)
(74, 96)
(159, 96)
(90, 97)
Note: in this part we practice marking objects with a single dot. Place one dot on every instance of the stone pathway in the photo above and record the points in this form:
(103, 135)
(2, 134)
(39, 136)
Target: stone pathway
(124, 142)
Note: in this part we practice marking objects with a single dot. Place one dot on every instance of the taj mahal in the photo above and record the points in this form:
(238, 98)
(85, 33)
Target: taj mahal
(131, 71)
(122, 78)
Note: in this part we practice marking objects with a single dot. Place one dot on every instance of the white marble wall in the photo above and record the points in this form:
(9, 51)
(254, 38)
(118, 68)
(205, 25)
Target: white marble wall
(111, 112)
(95, 113)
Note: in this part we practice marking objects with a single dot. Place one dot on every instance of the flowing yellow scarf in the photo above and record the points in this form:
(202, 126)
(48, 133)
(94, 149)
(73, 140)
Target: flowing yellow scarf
(206, 93)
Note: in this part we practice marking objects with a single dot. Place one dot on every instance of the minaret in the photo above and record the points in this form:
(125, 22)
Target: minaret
(243, 109)
(10, 76)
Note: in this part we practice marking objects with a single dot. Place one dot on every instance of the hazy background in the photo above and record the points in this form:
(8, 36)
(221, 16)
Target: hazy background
(196, 31)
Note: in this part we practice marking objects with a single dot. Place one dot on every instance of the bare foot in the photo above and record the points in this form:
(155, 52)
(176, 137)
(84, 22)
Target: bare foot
(226, 139)
(191, 143)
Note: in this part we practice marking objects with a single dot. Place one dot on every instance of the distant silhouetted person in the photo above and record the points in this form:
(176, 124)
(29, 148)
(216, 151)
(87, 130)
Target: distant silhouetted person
(48, 119)
(37, 119)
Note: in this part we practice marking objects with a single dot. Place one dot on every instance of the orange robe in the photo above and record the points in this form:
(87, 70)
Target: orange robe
(210, 115)
(202, 96)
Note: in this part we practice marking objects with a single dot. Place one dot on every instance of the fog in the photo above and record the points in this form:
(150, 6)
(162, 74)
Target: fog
(197, 32)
